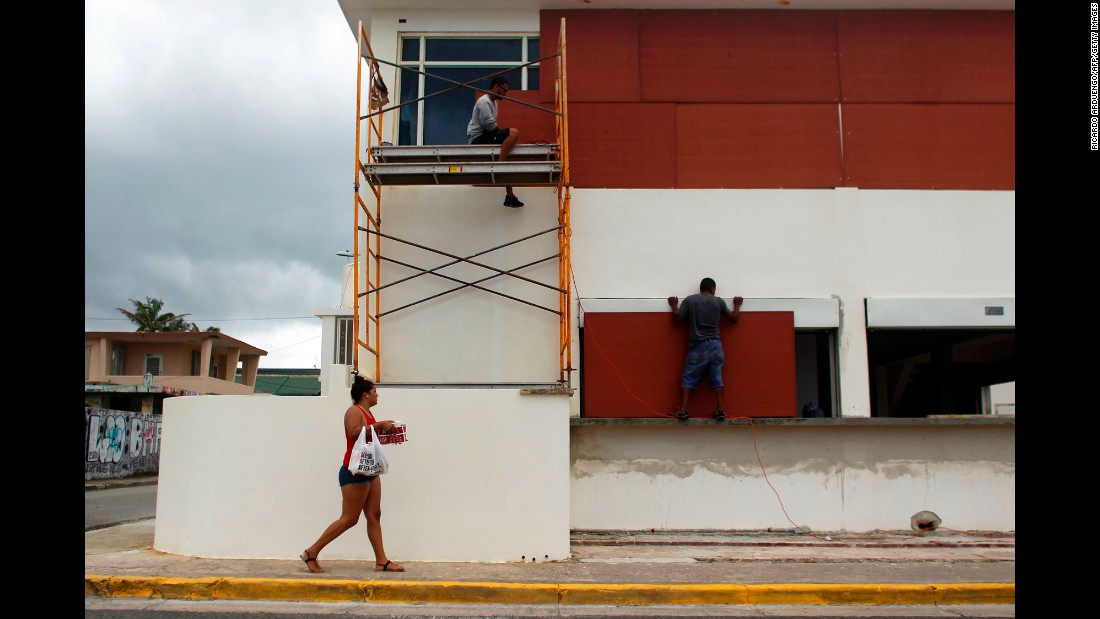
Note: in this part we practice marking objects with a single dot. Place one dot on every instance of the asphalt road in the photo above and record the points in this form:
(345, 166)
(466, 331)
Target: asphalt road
(111, 506)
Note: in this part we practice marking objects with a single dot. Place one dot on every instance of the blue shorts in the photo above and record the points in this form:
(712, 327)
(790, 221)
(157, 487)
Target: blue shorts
(706, 356)
(347, 477)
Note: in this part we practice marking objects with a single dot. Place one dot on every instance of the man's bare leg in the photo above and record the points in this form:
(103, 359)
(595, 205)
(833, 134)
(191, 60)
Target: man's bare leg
(508, 143)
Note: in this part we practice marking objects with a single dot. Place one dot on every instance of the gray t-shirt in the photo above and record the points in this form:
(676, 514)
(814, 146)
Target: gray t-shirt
(702, 311)
(483, 119)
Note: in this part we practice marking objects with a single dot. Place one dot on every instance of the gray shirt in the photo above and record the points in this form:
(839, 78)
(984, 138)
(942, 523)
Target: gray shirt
(702, 311)
(483, 119)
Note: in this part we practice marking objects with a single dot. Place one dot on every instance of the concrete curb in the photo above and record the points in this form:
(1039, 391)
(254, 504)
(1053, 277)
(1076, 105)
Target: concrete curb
(107, 484)
(639, 594)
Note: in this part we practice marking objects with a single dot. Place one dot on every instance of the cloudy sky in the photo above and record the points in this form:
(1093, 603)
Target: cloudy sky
(219, 145)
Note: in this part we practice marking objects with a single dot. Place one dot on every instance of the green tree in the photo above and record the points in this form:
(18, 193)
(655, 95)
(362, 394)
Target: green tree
(150, 318)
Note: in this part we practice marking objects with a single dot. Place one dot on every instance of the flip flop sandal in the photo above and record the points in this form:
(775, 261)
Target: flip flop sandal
(312, 560)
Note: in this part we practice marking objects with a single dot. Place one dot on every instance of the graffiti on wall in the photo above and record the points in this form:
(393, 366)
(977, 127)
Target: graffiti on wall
(120, 443)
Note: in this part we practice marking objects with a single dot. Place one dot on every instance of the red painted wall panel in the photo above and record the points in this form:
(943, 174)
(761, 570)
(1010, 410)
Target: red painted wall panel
(928, 56)
(633, 362)
(617, 58)
(748, 146)
(535, 126)
(622, 145)
(735, 56)
(913, 146)
(601, 54)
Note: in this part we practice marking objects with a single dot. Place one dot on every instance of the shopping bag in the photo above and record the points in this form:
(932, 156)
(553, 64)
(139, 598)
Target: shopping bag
(366, 455)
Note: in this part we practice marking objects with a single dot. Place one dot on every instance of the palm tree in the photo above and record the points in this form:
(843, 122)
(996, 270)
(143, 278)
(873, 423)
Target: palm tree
(149, 319)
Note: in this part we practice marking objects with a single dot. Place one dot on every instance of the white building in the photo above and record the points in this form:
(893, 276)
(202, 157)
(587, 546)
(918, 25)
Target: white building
(848, 170)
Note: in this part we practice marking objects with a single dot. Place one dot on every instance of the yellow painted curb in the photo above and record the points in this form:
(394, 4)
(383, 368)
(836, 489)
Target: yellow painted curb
(636, 594)
(796, 594)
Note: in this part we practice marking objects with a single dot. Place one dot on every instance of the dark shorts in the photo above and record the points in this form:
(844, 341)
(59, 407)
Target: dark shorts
(492, 137)
(706, 356)
(347, 477)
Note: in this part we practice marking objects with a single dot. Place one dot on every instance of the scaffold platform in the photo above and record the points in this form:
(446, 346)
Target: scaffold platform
(475, 164)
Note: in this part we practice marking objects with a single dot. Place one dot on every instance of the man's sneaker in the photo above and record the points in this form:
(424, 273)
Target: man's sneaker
(512, 201)
(719, 415)
(681, 414)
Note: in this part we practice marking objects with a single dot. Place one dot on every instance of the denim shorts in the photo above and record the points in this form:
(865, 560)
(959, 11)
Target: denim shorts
(347, 477)
(706, 356)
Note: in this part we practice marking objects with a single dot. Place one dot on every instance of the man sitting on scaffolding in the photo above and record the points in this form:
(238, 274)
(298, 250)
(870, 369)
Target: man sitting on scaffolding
(483, 129)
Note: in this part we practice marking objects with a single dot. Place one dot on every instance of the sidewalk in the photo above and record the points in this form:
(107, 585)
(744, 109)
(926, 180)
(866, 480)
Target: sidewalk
(637, 569)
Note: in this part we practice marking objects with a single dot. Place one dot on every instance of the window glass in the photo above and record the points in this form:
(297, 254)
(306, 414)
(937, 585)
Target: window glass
(447, 115)
(410, 49)
(464, 59)
(343, 341)
(474, 50)
(118, 360)
(407, 113)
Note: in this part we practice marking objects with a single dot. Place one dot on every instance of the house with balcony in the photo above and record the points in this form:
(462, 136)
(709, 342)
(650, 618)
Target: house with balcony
(136, 371)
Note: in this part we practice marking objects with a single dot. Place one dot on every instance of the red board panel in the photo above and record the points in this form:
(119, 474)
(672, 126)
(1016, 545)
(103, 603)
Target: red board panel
(747, 146)
(601, 54)
(622, 145)
(928, 56)
(738, 56)
(535, 126)
(949, 146)
(633, 363)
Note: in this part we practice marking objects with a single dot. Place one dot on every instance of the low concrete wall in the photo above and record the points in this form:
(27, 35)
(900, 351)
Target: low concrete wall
(484, 476)
(491, 475)
(827, 474)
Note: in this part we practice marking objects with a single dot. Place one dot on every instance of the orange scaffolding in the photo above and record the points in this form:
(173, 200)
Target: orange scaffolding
(386, 164)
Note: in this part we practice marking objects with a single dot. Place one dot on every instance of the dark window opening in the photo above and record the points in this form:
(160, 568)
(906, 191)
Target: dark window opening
(925, 372)
(814, 371)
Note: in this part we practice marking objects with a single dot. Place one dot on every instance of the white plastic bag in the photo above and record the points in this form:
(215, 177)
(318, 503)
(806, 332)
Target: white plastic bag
(366, 455)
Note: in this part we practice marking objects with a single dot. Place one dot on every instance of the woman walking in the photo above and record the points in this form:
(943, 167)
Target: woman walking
(361, 493)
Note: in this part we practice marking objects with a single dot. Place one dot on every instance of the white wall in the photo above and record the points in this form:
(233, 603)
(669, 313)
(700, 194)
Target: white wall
(826, 477)
(468, 336)
(844, 244)
(484, 476)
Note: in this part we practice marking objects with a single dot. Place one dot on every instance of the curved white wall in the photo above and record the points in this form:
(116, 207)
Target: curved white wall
(483, 477)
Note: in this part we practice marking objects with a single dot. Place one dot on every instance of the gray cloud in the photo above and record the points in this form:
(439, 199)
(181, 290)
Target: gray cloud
(218, 145)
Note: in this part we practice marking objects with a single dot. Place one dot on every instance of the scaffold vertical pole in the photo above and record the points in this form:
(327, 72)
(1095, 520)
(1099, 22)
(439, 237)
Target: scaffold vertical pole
(367, 249)
(565, 349)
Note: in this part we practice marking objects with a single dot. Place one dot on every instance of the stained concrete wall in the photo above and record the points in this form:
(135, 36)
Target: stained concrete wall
(828, 475)
(484, 476)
